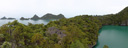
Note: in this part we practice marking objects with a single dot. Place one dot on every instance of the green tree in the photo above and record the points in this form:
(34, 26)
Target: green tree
(6, 45)
(57, 46)
(37, 39)
(1, 37)
(77, 44)
(105, 46)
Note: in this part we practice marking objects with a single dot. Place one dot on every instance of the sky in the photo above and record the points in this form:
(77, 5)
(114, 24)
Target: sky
(69, 8)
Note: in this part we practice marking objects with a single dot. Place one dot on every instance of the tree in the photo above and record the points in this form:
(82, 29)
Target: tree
(57, 46)
(105, 46)
(6, 45)
(37, 39)
(77, 44)
(1, 37)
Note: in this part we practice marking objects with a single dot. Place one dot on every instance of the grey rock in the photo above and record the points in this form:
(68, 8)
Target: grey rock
(53, 30)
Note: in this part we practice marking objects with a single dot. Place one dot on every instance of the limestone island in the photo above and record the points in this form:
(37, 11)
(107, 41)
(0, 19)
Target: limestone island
(48, 16)
(3, 18)
(10, 18)
(22, 18)
(35, 17)
(51, 16)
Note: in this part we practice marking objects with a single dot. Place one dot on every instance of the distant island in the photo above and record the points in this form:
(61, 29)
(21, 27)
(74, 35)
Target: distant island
(11, 18)
(3, 18)
(46, 16)
(35, 17)
(22, 18)
(51, 16)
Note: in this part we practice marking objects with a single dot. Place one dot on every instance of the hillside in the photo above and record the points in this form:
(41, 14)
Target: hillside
(51, 16)
(48, 16)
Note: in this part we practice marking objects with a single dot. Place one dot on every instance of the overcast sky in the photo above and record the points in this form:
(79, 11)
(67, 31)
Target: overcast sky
(70, 8)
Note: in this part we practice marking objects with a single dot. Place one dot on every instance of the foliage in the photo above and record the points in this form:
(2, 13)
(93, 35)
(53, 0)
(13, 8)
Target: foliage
(6, 45)
(77, 44)
(80, 28)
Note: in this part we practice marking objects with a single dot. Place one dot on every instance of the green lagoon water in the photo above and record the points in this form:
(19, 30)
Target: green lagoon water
(113, 36)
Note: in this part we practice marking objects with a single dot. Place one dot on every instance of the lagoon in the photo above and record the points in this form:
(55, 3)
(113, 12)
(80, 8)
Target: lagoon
(113, 36)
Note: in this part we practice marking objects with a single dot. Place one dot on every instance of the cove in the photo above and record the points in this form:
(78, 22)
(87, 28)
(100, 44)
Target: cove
(113, 36)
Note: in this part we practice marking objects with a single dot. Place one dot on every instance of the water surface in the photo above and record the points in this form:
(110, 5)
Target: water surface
(27, 21)
(113, 36)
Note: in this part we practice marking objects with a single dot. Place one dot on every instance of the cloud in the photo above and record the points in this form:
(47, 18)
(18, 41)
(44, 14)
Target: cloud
(70, 8)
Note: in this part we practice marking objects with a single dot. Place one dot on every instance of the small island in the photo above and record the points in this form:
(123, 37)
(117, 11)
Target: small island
(3, 18)
(10, 18)
(22, 18)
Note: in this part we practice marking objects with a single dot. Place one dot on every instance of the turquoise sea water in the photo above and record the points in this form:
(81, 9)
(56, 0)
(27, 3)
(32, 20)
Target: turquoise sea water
(113, 36)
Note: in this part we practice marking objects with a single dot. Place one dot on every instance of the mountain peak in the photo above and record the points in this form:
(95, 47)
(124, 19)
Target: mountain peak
(35, 17)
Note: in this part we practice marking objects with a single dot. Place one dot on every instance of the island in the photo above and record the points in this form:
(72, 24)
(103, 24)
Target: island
(3, 18)
(48, 16)
(22, 18)
(35, 17)
(10, 18)
(51, 16)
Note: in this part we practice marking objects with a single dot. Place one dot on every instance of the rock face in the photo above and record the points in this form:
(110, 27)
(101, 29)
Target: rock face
(22, 18)
(123, 16)
(4, 17)
(124, 23)
(35, 17)
(51, 16)
(53, 30)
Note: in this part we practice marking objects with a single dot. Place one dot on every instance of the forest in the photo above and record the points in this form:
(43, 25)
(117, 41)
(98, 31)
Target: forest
(77, 32)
